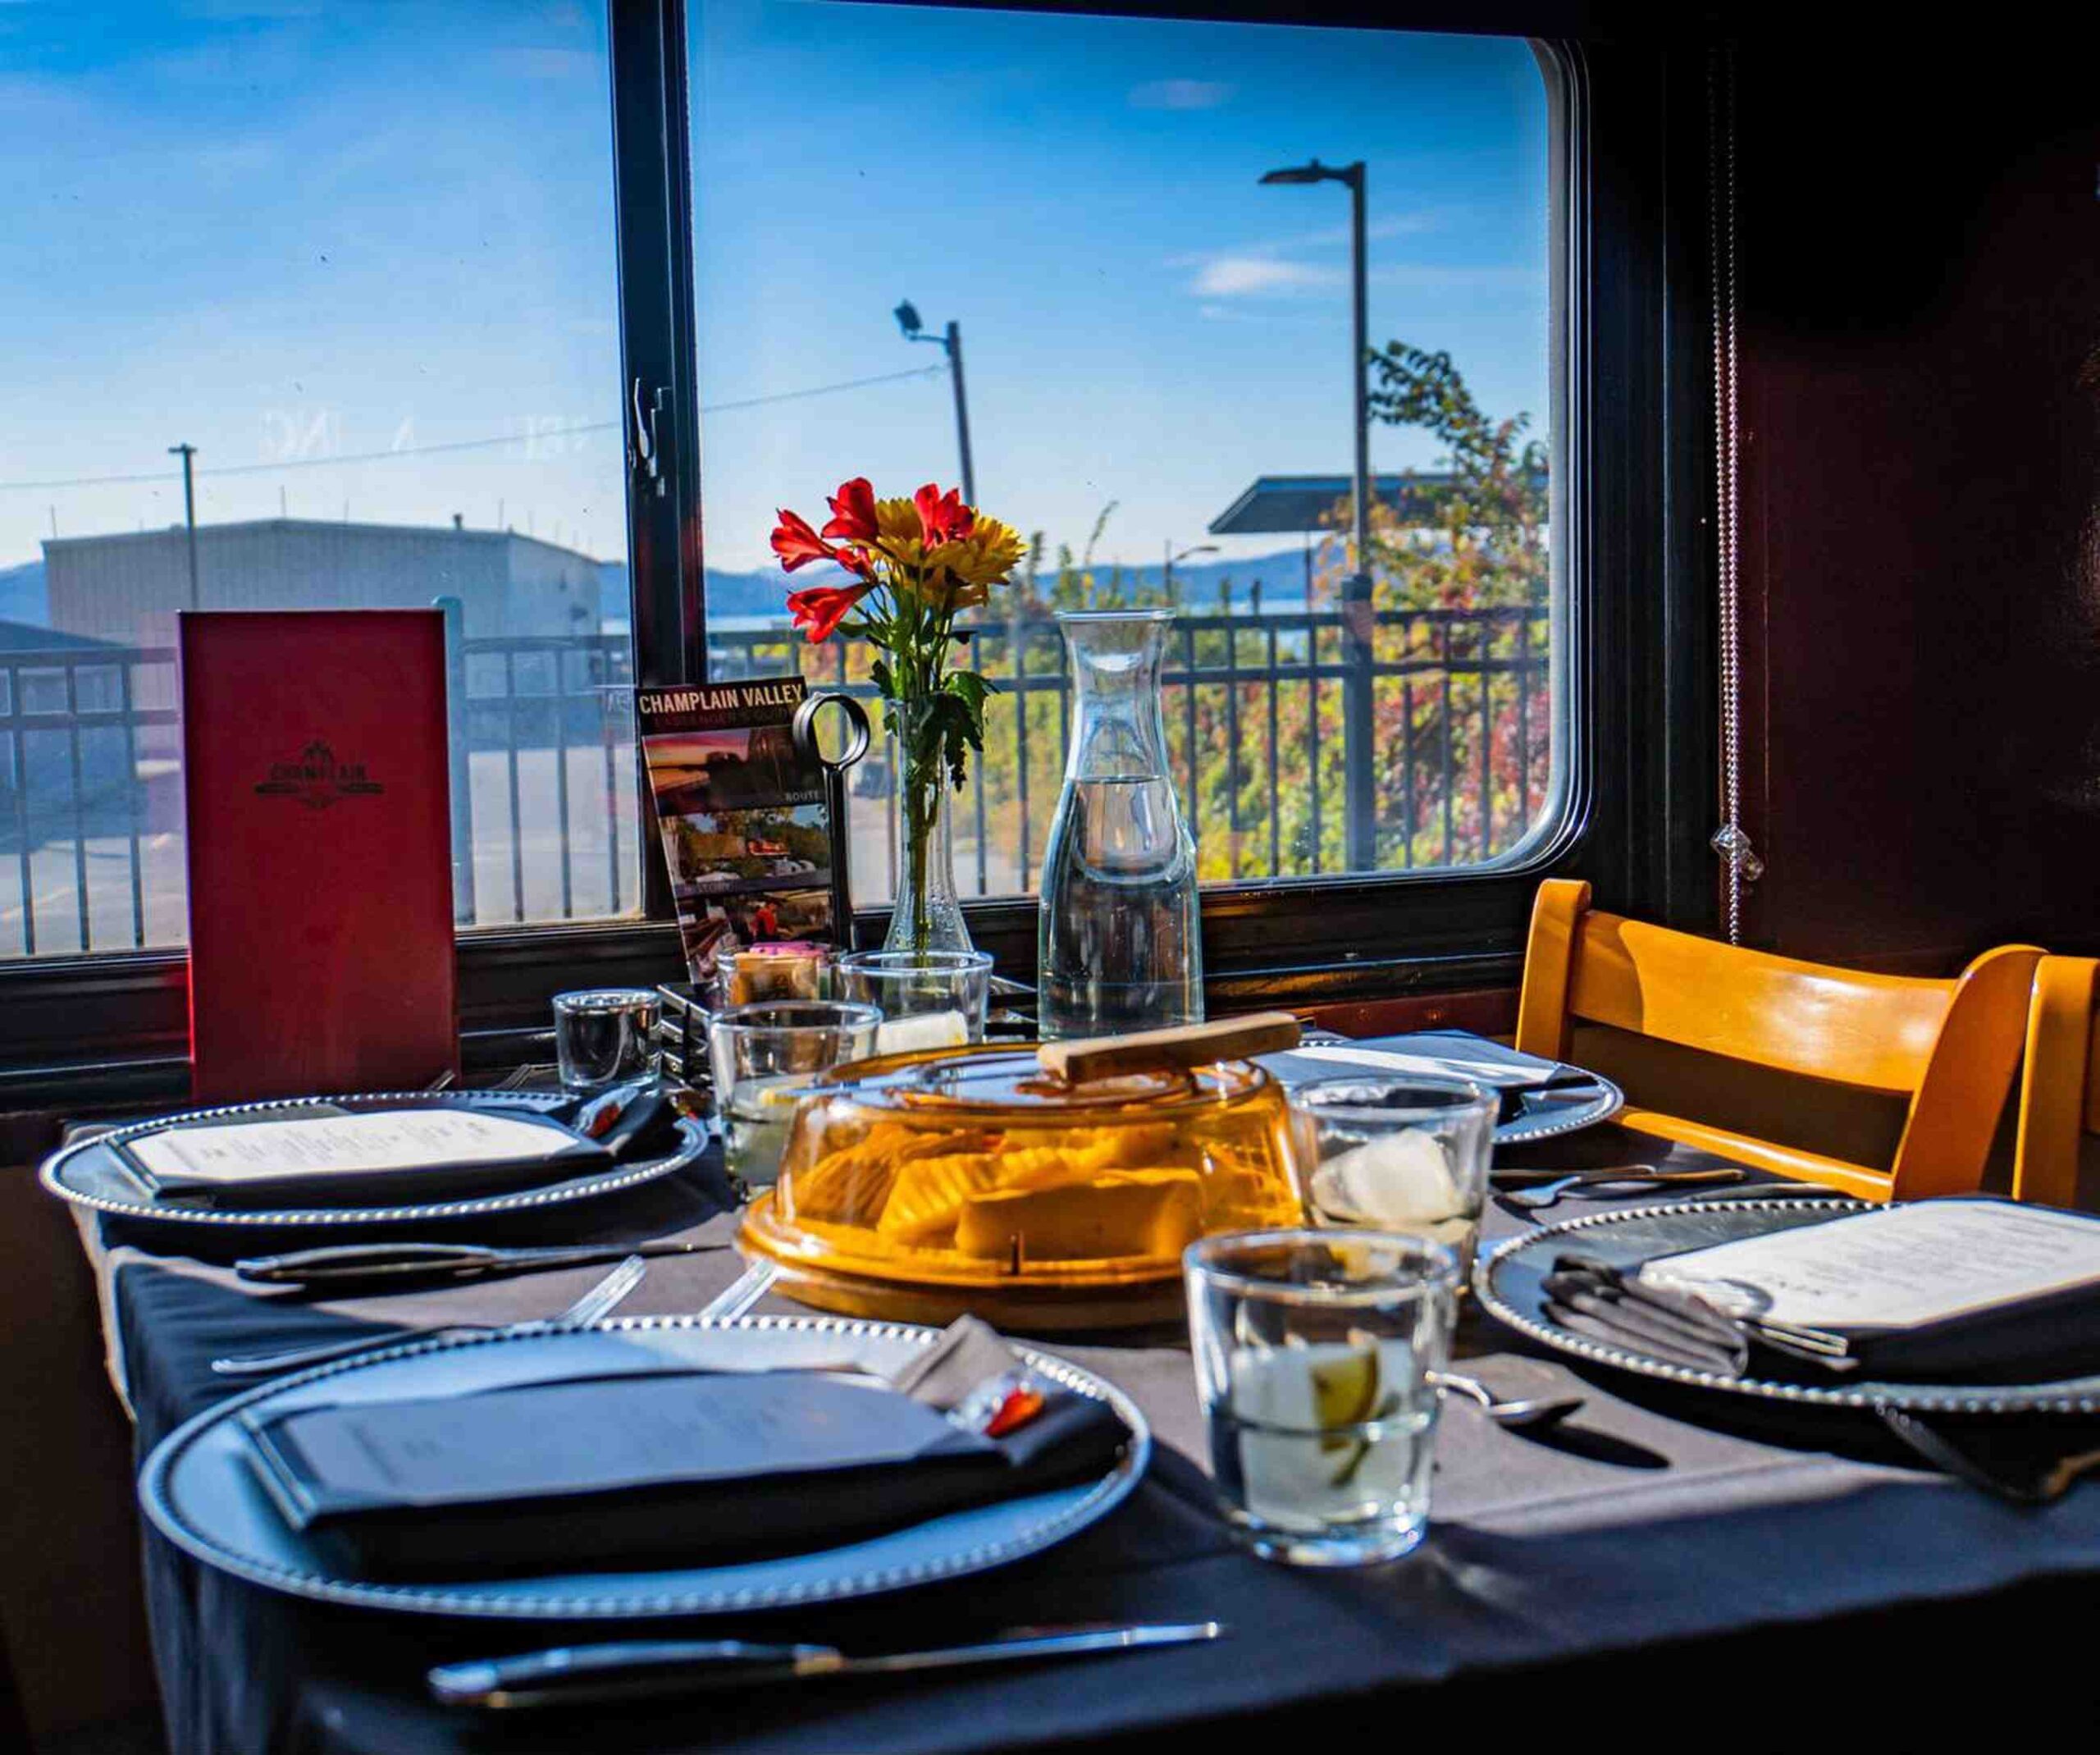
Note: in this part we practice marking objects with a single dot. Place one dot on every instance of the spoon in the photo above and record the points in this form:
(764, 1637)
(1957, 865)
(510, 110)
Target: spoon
(1536, 1410)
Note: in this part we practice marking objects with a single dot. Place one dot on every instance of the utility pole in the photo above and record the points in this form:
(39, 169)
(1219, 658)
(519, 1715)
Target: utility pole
(188, 452)
(950, 342)
(953, 342)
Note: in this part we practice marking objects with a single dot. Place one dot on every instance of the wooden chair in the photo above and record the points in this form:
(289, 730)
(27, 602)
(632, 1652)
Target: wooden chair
(1949, 1047)
(2060, 1082)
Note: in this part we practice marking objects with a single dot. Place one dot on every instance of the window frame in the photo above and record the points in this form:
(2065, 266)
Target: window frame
(1631, 489)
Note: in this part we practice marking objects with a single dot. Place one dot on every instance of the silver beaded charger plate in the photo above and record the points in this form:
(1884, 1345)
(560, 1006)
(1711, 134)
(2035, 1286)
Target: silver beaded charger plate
(1548, 1115)
(1510, 1282)
(91, 1173)
(1541, 1115)
(201, 1492)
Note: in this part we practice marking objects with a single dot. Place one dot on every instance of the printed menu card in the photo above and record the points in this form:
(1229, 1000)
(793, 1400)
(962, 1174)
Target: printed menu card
(1910, 1277)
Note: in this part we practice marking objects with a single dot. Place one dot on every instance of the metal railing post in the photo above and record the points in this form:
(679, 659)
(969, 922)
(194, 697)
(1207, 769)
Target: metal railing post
(1359, 790)
(456, 718)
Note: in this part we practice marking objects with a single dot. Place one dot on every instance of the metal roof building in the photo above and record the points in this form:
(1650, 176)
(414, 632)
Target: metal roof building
(127, 588)
(1277, 505)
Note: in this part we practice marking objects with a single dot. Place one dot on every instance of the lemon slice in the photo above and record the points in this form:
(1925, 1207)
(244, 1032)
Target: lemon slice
(1346, 1392)
(1344, 1388)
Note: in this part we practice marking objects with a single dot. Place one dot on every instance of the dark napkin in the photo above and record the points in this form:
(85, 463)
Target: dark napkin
(1512, 1074)
(651, 1469)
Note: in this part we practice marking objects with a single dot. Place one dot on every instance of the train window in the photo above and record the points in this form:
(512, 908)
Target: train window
(1108, 274)
(308, 308)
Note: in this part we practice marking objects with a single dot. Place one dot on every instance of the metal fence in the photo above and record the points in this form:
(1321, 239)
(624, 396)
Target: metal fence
(1416, 698)
(545, 817)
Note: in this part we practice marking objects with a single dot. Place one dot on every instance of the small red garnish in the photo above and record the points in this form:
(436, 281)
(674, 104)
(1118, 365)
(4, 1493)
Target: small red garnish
(1021, 1405)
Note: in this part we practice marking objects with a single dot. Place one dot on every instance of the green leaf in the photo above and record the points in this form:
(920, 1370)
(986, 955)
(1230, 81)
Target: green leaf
(970, 687)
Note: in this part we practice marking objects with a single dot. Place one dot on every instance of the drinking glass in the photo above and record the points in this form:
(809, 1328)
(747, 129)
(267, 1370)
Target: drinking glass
(1405, 1153)
(928, 999)
(763, 1056)
(1314, 1354)
(604, 1036)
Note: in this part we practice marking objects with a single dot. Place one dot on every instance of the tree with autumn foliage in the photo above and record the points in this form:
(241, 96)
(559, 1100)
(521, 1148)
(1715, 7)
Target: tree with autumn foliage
(1463, 728)
(1464, 747)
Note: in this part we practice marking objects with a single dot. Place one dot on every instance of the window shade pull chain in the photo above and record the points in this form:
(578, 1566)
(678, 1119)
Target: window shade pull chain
(1729, 841)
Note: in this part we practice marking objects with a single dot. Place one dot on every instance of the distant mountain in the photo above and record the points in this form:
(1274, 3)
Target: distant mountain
(763, 592)
(22, 595)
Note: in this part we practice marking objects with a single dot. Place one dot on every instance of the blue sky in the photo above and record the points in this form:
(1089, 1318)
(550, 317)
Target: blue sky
(285, 231)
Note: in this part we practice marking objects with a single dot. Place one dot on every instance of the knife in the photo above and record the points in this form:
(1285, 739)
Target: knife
(637, 1669)
(396, 1264)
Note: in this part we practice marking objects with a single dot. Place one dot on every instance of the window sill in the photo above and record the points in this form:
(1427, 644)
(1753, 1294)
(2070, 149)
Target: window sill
(507, 978)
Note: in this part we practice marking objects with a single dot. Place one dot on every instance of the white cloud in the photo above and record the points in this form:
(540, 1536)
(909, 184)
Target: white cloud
(1239, 277)
(1179, 95)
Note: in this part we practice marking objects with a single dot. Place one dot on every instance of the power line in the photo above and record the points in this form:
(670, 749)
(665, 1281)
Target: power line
(469, 445)
(934, 370)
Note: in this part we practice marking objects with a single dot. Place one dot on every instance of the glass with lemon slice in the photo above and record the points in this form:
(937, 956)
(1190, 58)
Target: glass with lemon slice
(1314, 1352)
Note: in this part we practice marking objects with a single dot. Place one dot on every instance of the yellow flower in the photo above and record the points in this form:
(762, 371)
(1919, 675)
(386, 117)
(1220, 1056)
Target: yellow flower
(899, 531)
(983, 558)
(950, 593)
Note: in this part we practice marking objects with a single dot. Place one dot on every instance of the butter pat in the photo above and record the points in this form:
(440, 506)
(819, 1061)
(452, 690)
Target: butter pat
(1396, 1178)
(907, 1035)
(1149, 1212)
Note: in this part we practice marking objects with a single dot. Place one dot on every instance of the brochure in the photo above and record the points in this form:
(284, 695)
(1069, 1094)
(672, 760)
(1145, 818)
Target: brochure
(748, 834)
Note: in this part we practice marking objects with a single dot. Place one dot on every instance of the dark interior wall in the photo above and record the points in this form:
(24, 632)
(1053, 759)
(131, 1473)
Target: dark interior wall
(1920, 265)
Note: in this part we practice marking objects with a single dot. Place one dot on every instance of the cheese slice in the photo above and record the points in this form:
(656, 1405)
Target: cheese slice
(852, 1185)
(1147, 1213)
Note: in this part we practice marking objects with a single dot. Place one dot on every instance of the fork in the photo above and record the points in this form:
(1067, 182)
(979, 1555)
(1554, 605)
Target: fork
(2045, 1488)
(601, 1301)
(1634, 1178)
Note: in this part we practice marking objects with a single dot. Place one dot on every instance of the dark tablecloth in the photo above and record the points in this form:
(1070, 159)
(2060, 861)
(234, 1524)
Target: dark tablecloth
(1654, 1519)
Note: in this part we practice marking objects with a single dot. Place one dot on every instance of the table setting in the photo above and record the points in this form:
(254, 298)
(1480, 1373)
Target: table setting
(1002, 1394)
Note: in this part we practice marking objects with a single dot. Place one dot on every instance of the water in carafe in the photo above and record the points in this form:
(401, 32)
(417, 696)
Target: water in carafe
(1120, 947)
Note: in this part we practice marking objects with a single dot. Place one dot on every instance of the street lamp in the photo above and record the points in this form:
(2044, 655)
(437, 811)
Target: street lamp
(1360, 796)
(909, 321)
(1173, 558)
(1360, 481)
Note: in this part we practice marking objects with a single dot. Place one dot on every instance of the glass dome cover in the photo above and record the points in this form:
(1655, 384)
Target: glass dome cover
(973, 1168)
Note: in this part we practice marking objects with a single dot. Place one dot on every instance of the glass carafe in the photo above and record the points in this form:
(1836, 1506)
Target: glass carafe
(1119, 947)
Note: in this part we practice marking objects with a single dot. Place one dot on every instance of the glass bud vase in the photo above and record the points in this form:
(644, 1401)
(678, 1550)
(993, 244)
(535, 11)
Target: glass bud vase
(1119, 945)
(928, 913)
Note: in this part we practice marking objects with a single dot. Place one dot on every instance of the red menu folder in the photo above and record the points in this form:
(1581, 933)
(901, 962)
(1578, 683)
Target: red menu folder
(320, 849)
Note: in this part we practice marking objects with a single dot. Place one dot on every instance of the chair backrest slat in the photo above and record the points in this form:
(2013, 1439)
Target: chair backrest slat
(1951, 1046)
(1872, 1031)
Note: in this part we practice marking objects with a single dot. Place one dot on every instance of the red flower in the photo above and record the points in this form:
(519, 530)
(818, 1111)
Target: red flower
(796, 544)
(853, 511)
(819, 610)
(942, 517)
